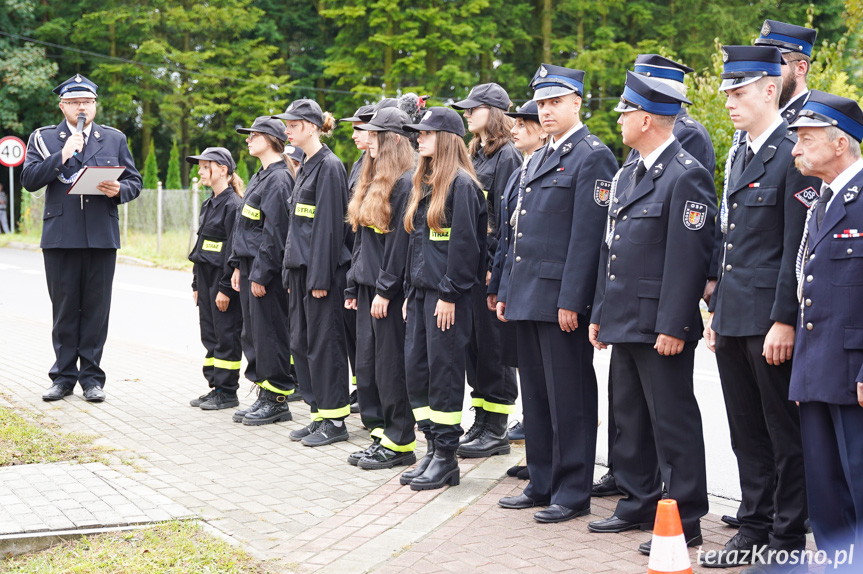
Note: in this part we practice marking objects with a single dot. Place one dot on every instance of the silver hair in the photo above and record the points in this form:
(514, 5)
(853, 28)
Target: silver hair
(833, 133)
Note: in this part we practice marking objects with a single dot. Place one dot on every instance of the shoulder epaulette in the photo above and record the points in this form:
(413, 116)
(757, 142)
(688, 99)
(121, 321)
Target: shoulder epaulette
(110, 128)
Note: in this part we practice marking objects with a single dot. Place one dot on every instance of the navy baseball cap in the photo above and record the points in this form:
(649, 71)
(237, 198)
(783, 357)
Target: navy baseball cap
(76, 87)
(742, 65)
(361, 111)
(787, 37)
(303, 109)
(552, 81)
(823, 110)
(266, 125)
(381, 105)
(485, 95)
(649, 95)
(529, 111)
(294, 153)
(656, 66)
(387, 120)
(217, 154)
(439, 119)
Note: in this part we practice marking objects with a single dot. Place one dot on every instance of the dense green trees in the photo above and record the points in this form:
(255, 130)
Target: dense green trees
(193, 72)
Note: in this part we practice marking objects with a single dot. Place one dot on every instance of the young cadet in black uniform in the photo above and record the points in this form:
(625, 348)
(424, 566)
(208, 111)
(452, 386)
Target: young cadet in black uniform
(653, 268)
(547, 288)
(695, 140)
(494, 392)
(447, 220)
(219, 308)
(317, 260)
(259, 238)
(754, 307)
(795, 43)
(376, 291)
(80, 235)
(827, 377)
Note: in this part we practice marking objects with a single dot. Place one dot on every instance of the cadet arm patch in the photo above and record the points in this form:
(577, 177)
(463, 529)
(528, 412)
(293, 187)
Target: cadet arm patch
(694, 215)
(807, 196)
(602, 192)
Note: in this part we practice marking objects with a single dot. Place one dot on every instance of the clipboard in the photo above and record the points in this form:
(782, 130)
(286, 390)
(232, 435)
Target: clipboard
(91, 176)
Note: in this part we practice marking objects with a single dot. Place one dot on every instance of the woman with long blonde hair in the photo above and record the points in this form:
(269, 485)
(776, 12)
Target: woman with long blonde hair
(447, 221)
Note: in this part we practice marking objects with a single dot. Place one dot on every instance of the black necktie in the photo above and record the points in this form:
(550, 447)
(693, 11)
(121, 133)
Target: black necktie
(821, 208)
(640, 170)
(749, 155)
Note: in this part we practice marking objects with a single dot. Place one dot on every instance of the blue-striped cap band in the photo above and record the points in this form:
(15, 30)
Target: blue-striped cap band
(555, 80)
(844, 123)
(805, 47)
(659, 72)
(752, 68)
(649, 106)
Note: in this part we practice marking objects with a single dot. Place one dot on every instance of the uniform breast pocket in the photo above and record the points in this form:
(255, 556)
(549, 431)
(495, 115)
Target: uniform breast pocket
(52, 229)
(105, 160)
(847, 255)
(765, 294)
(556, 194)
(648, 304)
(646, 226)
(760, 205)
(212, 245)
(304, 209)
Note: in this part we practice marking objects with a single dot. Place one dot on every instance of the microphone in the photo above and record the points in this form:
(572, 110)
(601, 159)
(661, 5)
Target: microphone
(82, 117)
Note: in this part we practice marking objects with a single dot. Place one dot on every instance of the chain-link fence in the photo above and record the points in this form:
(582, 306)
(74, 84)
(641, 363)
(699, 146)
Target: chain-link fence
(159, 225)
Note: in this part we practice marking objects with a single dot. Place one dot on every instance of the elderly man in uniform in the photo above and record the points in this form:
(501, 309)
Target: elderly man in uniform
(827, 378)
(80, 235)
(547, 288)
(795, 43)
(753, 310)
(654, 265)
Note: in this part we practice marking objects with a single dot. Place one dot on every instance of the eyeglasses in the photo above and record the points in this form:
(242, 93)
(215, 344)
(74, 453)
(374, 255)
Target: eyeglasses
(469, 112)
(76, 103)
(252, 136)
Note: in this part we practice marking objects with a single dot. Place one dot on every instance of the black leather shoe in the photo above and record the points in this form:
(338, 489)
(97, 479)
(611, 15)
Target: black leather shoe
(492, 439)
(239, 415)
(94, 394)
(355, 457)
(737, 552)
(615, 524)
(203, 398)
(355, 404)
(56, 392)
(407, 477)
(696, 540)
(274, 408)
(221, 400)
(476, 427)
(730, 521)
(301, 433)
(605, 486)
(558, 513)
(516, 432)
(523, 474)
(442, 470)
(514, 470)
(382, 457)
(327, 433)
(518, 502)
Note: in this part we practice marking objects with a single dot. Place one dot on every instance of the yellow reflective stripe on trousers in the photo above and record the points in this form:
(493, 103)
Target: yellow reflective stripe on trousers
(474, 402)
(422, 414)
(498, 408)
(376, 433)
(315, 417)
(387, 443)
(208, 362)
(269, 387)
(229, 365)
(335, 413)
(208, 245)
(445, 418)
(251, 213)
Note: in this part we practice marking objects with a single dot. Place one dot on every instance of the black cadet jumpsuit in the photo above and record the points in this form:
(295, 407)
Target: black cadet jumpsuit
(444, 265)
(378, 268)
(259, 239)
(317, 258)
(349, 315)
(220, 331)
(494, 383)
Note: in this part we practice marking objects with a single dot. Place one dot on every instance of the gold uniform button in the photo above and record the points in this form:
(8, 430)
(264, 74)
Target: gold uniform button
(729, 247)
(760, 199)
(809, 302)
(612, 277)
(644, 211)
(614, 257)
(809, 326)
(624, 217)
(733, 206)
(849, 251)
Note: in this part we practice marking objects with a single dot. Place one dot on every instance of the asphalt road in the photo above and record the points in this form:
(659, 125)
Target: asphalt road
(153, 307)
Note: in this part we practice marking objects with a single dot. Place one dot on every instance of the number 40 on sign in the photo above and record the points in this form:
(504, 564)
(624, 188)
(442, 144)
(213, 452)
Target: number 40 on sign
(12, 153)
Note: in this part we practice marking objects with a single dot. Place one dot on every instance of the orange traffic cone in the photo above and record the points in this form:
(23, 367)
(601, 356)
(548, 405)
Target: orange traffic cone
(668, 552)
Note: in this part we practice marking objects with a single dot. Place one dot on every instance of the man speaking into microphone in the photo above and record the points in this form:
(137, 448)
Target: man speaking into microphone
(80, 235)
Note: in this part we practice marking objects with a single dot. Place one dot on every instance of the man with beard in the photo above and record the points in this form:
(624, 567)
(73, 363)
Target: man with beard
(795, 43)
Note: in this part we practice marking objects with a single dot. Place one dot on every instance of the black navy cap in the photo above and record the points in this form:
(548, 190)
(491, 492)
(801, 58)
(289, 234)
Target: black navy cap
(439, 119)
(381, 105)
(361, 111)
(656, 66)
(266, 125)
(295, 153)
(76, 87)
(304, 109)
(649, 95)
(528, 111)
(217, 154)
(823, 110)
(387, 120)
(552, 81)
(485, 95)
(742, 65)
(787, 37)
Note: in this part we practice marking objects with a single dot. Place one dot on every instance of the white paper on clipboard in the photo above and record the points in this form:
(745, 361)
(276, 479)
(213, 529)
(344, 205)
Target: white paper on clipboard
(93, 175)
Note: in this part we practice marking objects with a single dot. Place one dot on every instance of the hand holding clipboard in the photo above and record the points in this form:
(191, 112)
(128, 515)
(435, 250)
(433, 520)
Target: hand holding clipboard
(98, 180)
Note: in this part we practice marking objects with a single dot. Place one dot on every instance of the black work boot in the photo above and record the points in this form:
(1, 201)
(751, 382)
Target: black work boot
(477, 426)
(238, 416)
(492, 439)
(409, 475)
(202, 399)
(301, 433)
(221, 400)
(328, 432)
(273, 409)
(442, 470)
(355, 403)
(355, 457)
(382, 457)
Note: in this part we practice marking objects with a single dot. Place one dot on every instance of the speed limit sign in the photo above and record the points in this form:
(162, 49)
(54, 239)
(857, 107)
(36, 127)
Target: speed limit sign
(12, 151)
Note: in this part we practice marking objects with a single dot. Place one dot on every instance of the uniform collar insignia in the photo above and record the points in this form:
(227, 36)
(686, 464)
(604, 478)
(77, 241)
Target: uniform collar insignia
(565, 149)
(657, 169)
(97, 134)
(850, 196)
(62, 135)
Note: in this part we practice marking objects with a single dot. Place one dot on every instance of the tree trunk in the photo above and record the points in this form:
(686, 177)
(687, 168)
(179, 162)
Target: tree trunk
(545, 30)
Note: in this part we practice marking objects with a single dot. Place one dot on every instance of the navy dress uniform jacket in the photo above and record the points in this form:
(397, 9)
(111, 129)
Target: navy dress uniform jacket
(553, 264)
(65, 224)
(653, 274)
(694, 138)
(766, 212)
(508, 203)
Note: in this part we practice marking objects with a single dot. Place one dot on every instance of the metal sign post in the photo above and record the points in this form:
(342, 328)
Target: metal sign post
(12, 154)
